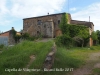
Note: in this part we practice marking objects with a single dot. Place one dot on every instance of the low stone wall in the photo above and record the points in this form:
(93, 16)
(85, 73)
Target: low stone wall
(11, 39)
(50, 58)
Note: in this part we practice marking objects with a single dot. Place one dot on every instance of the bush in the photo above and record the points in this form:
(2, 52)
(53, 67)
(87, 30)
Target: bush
(70, 31)
(26, 36)
(64, 40)
(1, 46)
(17, 38)
(30, 38)
(92, 48)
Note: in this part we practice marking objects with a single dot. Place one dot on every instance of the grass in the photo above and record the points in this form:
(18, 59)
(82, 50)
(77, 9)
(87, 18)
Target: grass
(65, 59)
(18, 56)
(1, 47)
(96, 71)
(70, 58)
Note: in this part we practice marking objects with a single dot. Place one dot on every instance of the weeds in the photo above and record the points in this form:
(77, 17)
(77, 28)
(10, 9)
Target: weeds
(18, 56)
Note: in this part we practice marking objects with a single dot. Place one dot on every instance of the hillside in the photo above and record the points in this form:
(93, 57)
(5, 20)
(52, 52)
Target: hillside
(19, 56)
(27, 58)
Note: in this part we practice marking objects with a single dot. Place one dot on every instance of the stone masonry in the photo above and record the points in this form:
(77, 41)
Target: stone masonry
(48, 25)
(45, 25)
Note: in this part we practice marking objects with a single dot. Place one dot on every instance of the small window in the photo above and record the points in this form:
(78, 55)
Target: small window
(37, 32)
(58, 21)
(39, 22)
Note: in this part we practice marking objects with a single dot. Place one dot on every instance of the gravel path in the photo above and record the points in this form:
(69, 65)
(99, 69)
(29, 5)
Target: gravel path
(92, 62)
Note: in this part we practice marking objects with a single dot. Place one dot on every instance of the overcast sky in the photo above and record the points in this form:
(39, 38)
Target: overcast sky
(12, 12)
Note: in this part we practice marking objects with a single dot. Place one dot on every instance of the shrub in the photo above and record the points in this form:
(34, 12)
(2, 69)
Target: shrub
(17, 38)
(26, 36)
(30, 38)
(1, 46)
(64, 40)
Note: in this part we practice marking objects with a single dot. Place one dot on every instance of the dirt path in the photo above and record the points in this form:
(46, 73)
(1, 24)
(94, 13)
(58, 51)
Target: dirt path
(32, 58)
(92, 62)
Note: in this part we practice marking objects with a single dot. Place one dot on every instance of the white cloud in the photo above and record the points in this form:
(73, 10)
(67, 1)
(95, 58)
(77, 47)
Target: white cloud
(93, 11)
(3, 8)
(3, 12)
(73, 9)
(5, 22)
(29, 8)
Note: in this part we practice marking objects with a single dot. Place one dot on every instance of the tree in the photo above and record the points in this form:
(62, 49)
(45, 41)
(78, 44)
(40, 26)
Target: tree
(78, 41)
(64, 39)
(15, 35)
(78, 33)
(84, 34)
(98, 36)
(94, 36)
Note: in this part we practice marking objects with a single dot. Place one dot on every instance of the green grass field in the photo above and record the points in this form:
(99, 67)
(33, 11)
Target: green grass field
(19, 56)
(70, 58)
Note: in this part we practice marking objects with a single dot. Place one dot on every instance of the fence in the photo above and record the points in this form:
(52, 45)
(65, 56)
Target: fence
(4, 40)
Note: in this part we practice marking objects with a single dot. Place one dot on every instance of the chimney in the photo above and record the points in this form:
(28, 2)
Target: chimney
(12, 28)
(89, 18)
(48, 13)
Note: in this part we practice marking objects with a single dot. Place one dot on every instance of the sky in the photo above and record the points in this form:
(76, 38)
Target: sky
(12, 12)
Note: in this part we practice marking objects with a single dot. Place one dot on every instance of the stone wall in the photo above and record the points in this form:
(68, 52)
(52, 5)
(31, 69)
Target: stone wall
(11, 39)
(47, 26)
(88, 24)
(43, 24)
(49, 61)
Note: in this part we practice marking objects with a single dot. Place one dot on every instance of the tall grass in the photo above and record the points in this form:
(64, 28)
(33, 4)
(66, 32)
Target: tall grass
(19, 56)
(65, 59)
(70, 58)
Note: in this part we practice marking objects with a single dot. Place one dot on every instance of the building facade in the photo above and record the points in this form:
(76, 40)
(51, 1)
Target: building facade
(44, 25)
(48, 25)
(9, 37)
